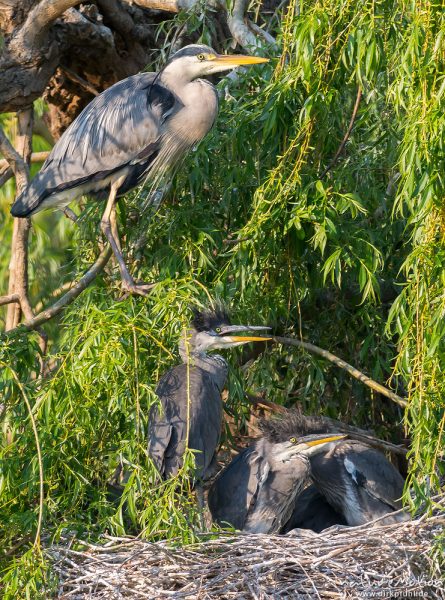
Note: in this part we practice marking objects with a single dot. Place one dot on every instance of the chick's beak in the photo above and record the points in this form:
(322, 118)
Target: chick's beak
(325, 440)
(236, 60)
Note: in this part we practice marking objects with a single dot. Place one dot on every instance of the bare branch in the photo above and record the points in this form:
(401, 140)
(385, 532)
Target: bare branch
(6, 171)
(239, 28)
(9, 299)
(14, 160)
(381, 389)
(346, 136)
(70, 296)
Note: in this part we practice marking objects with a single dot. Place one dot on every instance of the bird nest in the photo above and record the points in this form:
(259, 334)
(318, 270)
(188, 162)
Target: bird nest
(380, 561)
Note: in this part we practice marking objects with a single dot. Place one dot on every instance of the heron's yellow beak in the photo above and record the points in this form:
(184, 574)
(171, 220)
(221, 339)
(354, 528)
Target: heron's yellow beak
(238, 59)
(332, 438)
(247, 338)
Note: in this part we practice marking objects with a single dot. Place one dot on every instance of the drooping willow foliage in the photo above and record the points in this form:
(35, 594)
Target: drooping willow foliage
(348, 254)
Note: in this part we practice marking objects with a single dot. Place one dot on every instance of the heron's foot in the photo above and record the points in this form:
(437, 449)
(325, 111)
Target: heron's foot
(136, 288)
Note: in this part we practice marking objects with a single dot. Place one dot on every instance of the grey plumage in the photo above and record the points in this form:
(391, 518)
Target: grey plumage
(312, 511)
(190, 396)
(357, 480)
(139, 128)
(360, 483)
(258, 490)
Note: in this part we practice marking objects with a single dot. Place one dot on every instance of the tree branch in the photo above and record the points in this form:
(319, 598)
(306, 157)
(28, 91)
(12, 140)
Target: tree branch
(6, 171)
(9, 299)
(381, 389)
(69, 297)
(346, 136)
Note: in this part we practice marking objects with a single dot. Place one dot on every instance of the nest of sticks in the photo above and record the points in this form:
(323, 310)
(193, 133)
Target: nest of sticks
(379, 561)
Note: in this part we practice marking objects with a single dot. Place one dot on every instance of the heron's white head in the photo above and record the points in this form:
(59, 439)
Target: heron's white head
(198, 60)
(307, 446)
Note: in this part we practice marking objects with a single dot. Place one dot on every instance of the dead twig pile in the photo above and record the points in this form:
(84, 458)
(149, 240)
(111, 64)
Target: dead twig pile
(384, 561)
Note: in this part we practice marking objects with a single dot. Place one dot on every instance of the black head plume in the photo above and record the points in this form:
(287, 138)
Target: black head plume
(292, 423)
(207, 320)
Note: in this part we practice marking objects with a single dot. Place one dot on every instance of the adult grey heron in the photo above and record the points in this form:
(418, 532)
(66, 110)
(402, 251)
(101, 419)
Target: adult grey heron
(139, 127)
(258, 490)
(191, 410)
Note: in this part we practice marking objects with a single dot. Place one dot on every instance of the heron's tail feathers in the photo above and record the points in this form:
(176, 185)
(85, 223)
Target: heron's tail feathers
(29, 200)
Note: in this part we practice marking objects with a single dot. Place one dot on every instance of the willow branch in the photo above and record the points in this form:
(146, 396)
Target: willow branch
(378, 387)
(346, 136)
(39, 453)
(69, 297)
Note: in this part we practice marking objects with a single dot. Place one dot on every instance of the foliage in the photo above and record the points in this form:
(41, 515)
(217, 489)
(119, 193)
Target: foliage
(251, 220)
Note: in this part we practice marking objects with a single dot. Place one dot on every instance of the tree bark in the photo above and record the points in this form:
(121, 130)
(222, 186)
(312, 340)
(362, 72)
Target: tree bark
(18, 266)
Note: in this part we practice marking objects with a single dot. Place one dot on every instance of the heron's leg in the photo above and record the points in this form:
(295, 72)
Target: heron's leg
(109, 227)
(70, 214)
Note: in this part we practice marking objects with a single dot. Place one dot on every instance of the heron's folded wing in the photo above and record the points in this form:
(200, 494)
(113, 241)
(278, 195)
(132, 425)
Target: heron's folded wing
(371, 470)
(118, 127)
(234, 491)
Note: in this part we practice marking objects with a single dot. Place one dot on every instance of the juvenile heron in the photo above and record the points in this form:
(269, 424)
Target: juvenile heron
(258, 490)
(357, 481)
(138, 128)
(360, 483)
(190, 395)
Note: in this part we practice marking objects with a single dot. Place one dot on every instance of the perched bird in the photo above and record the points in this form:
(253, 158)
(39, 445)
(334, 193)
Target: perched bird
(138, 128)
(258, 490)
(360, 483)
(191, 407)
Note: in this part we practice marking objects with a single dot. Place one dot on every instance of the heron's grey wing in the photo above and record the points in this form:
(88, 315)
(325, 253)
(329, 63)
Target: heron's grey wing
(206, 417)
(119, 127)
(371, 470)
(234, 490)
(167, 430)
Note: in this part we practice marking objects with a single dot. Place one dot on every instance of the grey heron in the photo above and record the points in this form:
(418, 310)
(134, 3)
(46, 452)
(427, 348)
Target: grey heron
(360, 483)
(356, 480)
(140, 127)
(258, 490)
(191, 409)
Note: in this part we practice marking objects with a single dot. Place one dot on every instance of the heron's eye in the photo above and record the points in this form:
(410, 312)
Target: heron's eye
(293, 440)
(218, 329)
(201, 57)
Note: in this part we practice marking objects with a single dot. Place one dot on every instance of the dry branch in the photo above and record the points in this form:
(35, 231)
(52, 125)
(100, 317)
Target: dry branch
(70, 296)
(340, 562)
(378, 387)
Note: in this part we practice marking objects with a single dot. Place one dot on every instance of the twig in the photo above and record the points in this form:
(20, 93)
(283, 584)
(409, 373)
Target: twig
(69, 297)
(39, 453)
(346, 136)
(378, 387)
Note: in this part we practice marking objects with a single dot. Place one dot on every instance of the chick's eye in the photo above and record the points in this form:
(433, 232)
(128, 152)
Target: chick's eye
(201, 57)
(293, 440)
(218, 329)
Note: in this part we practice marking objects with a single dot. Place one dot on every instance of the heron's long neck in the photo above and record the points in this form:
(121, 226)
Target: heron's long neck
(213, 364)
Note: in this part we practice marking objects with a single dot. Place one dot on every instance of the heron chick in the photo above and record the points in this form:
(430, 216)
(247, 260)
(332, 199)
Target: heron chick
(258, 490)
(138, 128)
(191, 409)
